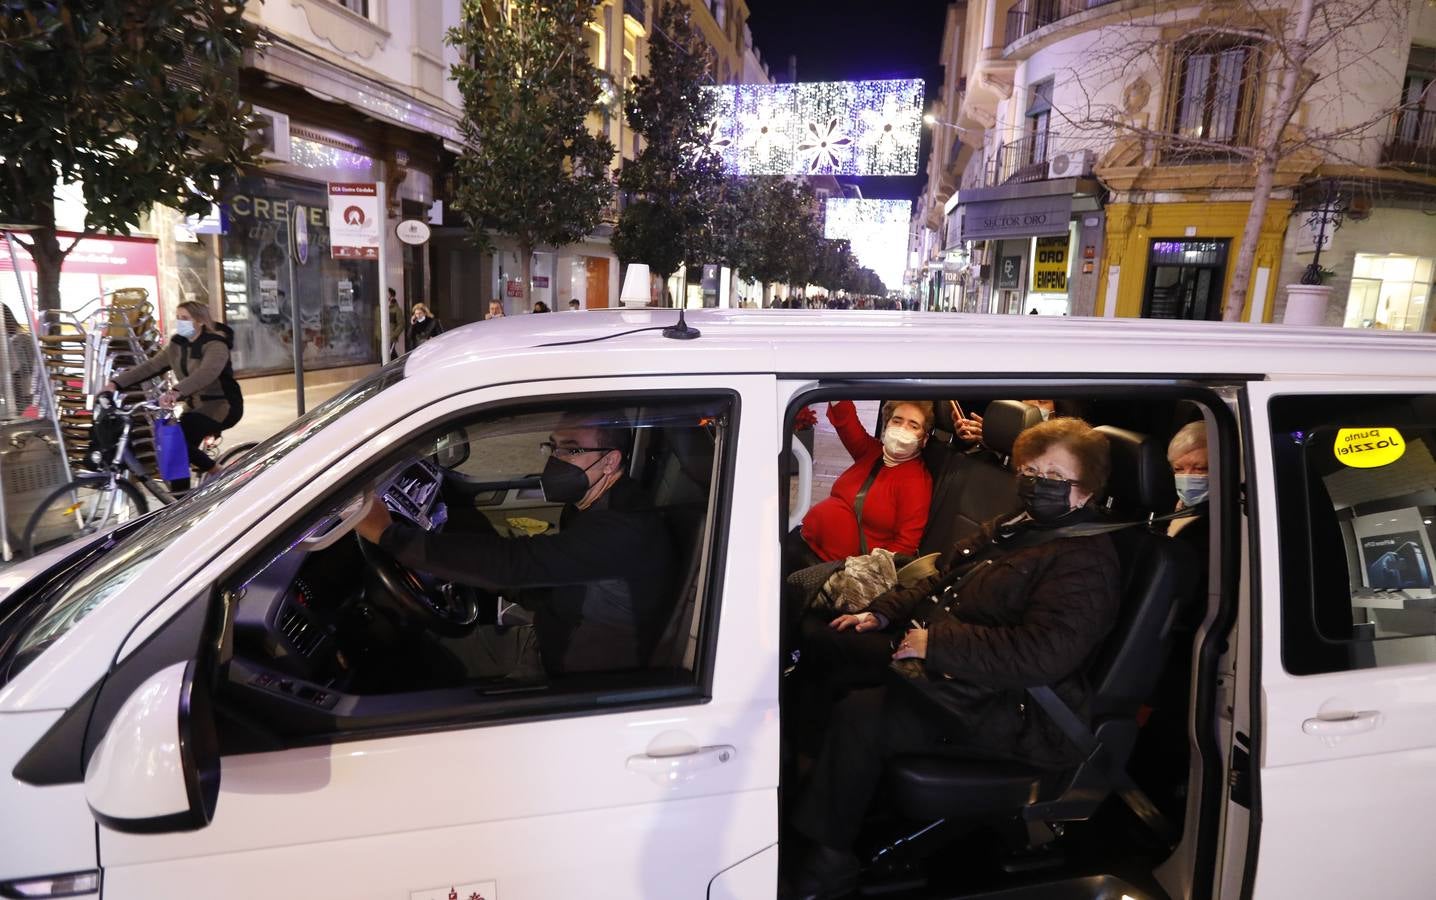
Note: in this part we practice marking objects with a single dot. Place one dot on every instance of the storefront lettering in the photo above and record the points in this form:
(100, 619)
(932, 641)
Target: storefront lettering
(273, 209)
(995, 222)
(1049, 272)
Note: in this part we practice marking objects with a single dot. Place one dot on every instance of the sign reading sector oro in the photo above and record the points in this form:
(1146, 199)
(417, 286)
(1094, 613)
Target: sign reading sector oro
(1368, 448)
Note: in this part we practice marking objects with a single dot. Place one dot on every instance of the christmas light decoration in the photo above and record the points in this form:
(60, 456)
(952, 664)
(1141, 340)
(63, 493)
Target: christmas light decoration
(819, 128)
(876, 229)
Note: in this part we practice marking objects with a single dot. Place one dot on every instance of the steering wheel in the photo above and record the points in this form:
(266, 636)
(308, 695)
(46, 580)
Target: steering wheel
(447, 613)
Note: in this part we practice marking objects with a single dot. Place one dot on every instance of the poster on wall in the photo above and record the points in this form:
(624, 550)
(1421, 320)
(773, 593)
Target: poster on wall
(1396, 561)
(1009, 273)
(354, 219)
(346, 295)
(268, 300)
(1049, 269)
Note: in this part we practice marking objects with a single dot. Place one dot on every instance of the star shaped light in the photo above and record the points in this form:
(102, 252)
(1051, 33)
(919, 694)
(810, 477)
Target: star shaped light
(822, 143)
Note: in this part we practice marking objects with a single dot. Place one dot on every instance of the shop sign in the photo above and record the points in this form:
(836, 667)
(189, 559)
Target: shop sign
(354, 219)
(1009, 273)
(412, 231)
(1049, 270)
(1022, 217)
(514, 288)
(541, 282)
(299, 230)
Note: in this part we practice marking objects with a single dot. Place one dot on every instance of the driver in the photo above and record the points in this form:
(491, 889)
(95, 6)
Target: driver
(597, 588)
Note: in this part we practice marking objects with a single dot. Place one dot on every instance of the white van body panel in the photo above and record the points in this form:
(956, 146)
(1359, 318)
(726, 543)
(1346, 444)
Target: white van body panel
(552, 807)
(43, 831)
(1341, 817)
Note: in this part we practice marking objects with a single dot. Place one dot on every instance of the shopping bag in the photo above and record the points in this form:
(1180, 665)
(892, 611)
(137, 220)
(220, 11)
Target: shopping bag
(173, 455)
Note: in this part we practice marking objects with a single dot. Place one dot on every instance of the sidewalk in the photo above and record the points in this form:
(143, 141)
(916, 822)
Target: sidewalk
(265, 414)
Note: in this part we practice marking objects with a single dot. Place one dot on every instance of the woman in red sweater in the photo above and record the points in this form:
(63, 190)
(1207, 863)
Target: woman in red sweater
(898, 486)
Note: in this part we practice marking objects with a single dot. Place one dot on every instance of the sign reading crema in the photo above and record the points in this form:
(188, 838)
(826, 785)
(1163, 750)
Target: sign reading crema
(354, 219)
(1024, 217)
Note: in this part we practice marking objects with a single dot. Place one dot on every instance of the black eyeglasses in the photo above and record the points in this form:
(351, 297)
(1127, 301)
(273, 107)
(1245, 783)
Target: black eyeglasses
(1050, 475)
(549, 448)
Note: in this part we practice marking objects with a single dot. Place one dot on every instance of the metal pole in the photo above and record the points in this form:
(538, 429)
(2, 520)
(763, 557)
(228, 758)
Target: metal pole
(296, 331)
(385, 334)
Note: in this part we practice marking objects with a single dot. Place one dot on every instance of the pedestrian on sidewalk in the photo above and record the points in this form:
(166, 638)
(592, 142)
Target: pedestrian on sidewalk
(422, 326)
(496, 310)
(199, 354)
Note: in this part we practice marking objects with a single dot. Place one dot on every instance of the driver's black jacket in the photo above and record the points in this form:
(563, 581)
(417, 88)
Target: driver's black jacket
(599, 588)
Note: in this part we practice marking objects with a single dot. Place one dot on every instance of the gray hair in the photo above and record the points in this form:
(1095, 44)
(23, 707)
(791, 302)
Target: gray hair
(1191, 436)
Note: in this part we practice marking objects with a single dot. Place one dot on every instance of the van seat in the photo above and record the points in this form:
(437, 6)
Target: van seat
(972, 488)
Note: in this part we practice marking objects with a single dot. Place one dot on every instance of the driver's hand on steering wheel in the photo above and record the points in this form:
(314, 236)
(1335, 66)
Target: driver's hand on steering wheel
(375, 520)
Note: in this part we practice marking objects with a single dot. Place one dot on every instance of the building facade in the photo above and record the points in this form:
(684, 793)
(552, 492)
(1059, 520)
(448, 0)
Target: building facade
(1110, 171)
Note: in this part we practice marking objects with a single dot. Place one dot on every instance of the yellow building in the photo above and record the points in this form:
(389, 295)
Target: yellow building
(1115, 139)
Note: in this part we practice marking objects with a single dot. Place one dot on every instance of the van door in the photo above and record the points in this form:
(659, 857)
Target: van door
(1344, 482)
(646, 792)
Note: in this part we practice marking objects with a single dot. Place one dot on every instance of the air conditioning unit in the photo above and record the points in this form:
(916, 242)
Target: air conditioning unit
(1072, 164)
(270, 130)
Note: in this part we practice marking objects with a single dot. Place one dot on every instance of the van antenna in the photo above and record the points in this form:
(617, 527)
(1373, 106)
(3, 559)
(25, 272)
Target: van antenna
(682, 331)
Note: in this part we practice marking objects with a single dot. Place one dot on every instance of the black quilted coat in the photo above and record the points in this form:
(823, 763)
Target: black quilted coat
(1027, 612)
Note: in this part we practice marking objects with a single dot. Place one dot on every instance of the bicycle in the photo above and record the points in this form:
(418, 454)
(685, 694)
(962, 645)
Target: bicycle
(107, 495)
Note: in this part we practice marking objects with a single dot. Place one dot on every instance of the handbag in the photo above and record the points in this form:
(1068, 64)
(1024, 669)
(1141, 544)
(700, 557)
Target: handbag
(171, 450)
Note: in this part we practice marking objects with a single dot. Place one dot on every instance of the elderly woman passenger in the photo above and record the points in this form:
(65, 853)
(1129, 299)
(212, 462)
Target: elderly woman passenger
(882, 499)
(1019, 604)
(1187, 455)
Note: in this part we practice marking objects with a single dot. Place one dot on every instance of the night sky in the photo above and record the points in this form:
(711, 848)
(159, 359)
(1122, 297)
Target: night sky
(842, 40)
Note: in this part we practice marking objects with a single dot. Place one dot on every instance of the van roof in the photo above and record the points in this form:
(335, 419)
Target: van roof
(874, 343)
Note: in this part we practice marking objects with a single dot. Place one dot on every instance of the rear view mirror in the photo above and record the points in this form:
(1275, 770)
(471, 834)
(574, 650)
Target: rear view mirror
(157, 767)
(452, 449)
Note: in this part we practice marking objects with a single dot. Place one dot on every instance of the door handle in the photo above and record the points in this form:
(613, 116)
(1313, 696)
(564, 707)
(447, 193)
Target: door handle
(674, 768)
(1334, 727)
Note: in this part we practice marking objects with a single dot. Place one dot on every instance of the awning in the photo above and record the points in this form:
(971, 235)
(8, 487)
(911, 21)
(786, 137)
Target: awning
(1025, 217)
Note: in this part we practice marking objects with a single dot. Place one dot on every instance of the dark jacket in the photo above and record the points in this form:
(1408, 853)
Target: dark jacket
(419, 332)
(1024, 615)
(206, 376)
(600, 588)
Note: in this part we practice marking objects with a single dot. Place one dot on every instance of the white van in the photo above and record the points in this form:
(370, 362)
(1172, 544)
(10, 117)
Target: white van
(229, 699)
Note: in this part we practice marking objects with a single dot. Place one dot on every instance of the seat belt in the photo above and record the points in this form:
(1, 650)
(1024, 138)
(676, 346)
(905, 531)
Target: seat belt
(861, 498)
(1079, 734)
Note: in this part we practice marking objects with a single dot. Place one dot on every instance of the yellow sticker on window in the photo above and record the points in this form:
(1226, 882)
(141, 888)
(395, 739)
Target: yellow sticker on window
(1369, 448)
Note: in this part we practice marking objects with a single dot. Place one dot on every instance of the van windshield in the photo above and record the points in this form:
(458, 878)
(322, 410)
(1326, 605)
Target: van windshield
(64, 606)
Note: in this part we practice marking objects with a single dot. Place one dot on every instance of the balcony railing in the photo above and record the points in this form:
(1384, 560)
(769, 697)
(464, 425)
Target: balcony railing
(1030, 15)
(1022, 160)
(1413, 139)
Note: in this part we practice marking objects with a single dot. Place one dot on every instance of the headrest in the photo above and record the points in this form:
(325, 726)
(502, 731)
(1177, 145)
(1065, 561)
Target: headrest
(942, 416)
(1141, 481)
(1004, 420)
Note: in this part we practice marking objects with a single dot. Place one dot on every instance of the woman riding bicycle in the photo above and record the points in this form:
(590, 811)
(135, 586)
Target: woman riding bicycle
(199, 355)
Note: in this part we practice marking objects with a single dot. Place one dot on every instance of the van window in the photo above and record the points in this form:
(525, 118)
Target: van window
(502, 590)
(1356, 499)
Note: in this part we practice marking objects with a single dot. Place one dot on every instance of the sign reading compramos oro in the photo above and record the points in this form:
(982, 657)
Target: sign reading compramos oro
(1368, 448)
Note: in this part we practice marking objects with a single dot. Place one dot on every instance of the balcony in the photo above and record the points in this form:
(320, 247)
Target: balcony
(635, 8)
(1029, 15)
(1021, 161)
(1413, 140)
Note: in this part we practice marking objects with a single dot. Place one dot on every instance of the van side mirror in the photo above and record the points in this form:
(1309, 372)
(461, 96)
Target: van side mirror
(157, 767)
(452, 449)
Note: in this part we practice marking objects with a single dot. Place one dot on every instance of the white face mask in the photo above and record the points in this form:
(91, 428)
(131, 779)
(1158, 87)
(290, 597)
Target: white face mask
(1191, 489)
(900, 444)
(420, 318)
(184, 328)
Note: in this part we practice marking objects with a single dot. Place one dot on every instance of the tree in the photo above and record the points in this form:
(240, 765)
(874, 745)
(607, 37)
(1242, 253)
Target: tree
(836, 265)
(1280, 69)
(531, 168)
(138, 102)
(779, 229)
(673, 185)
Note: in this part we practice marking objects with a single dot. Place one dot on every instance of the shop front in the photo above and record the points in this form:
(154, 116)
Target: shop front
(1035, 241)
(265, 285)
